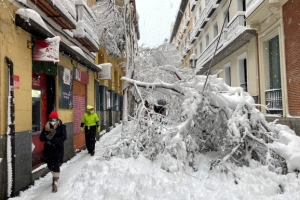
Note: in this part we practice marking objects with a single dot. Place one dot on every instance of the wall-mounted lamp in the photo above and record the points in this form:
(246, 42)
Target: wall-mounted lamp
(193, 60)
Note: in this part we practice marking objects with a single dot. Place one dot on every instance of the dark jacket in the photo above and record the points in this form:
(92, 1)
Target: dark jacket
(54, 152)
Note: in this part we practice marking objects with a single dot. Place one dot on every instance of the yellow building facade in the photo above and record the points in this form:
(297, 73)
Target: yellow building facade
(31, 89)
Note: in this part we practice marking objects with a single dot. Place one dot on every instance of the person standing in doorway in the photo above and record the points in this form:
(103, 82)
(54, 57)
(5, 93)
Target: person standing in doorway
(90, 123)
(54, 134)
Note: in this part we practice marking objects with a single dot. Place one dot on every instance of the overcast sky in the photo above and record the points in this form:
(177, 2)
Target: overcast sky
(155, 20)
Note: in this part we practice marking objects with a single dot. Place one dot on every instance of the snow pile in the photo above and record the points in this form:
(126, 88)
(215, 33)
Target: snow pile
(31, 14)
(86, 177)
(78, 50)
(288, 146)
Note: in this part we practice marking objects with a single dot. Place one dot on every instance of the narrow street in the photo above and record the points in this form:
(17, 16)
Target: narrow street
(42, 187)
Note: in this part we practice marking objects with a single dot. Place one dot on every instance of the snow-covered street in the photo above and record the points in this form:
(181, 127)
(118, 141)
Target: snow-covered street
(86, 177)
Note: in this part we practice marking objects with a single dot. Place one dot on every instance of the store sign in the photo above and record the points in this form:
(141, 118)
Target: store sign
(105, 73)
(81, 76)
(65, 89)
(16, 82)
(47, 50)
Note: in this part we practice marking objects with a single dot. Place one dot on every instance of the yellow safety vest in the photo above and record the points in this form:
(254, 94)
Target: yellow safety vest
(90, 119)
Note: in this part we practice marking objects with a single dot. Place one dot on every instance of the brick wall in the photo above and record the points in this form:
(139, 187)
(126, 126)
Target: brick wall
(291, 21)
(79, 98)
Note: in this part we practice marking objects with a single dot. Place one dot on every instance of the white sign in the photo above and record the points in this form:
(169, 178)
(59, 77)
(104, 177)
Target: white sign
(105, 73)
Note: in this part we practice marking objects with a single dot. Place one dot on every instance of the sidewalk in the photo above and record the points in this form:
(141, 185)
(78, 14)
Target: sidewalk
(41, 190)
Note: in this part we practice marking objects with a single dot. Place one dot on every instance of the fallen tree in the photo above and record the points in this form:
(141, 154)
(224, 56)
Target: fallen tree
(201, 116)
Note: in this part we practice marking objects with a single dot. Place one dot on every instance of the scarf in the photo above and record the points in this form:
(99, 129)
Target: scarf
(47, 126)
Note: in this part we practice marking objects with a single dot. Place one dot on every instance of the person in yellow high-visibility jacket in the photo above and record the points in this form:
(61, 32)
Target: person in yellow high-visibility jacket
(90, 123)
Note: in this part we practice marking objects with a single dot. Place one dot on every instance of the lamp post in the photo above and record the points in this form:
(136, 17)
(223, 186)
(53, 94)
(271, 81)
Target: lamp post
(193, 59)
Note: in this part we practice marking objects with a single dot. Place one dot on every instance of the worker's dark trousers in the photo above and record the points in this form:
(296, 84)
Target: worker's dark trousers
(90, 138)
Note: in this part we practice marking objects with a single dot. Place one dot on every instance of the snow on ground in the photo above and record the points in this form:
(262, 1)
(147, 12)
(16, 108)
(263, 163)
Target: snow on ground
(86, 177)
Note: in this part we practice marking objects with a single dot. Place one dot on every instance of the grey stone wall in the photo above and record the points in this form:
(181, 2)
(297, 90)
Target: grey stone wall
(23, 161)
(69, 153)
(293, 123)
(3, 167)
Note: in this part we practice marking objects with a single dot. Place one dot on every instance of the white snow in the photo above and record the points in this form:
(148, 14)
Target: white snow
(86, 177)
(78, 50)
(27, 14)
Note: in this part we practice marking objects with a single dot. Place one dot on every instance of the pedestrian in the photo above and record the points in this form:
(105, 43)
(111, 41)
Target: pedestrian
(54, 134)
(90, 123)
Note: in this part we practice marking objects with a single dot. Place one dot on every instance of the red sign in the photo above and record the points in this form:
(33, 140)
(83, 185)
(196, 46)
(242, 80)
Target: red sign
(16, 82)
(81, 76)
(47, 50)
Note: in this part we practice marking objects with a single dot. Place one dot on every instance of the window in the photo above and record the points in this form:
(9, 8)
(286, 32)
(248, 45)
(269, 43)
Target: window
(273, 95)
(227, 18)
(200, 11)
(215, 30)
(242, 69)
(227, 74)
(207, 39)
(241, 5)
(200, 48)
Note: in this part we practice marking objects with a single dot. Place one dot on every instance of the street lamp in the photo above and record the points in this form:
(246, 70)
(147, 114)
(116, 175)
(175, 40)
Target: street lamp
(193, 59)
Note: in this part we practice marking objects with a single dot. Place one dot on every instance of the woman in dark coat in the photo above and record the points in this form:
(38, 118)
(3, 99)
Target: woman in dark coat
(54, 134)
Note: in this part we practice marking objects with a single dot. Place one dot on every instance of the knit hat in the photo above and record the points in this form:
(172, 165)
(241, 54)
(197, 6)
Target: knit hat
(53, 115)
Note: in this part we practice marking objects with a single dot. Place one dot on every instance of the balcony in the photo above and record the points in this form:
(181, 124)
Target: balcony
(183, 29)
(36, 28)
(274, 101)
(193, 4)
(203, 18)
(84, 32)
(237, 23)
(187, 18)
(211, 6)
(62, 12)
(251, 5)
(232, 38)
(188, 47)
(183, 52)
(208, 52)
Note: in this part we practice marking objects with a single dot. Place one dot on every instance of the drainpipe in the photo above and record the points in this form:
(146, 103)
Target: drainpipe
(258, 70)
(10, 130)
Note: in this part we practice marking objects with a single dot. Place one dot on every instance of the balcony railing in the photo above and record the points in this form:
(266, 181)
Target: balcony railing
(193, 4)
(196, 31)
(251, 5)
(208, 52)
(84, 32)
(62, 12)
(235, 25)
(211, 6)
(200, 24)
(188, 47)
(274, 101)
(187, 20)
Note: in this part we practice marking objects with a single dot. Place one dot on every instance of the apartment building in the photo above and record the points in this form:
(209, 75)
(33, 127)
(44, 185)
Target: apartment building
(65, 77)
(181, 32)
(250, 44)
(277, 25)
